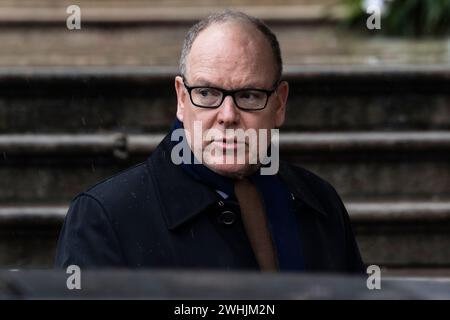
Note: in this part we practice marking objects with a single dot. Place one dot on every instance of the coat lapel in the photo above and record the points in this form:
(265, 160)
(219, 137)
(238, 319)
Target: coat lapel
(299, 189)
(180, 196)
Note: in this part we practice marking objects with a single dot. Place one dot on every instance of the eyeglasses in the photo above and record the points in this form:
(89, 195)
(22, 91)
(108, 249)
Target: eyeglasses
(245, 99)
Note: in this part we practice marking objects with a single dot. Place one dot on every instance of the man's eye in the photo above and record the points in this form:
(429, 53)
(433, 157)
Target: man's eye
(208, 92)
(250, 95)
(204, 92)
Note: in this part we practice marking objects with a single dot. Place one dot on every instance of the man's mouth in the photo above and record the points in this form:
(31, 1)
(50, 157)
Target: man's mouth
(227, 143)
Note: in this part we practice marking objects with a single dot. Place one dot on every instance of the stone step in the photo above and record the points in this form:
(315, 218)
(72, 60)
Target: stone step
(175, 12)
(159, 3)
(119, 44)
(398, 236)
(209, 286)
(142, 99)
(361, 213)
(361, 165)
(124, 145)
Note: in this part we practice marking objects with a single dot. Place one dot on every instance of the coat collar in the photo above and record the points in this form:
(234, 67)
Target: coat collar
(181, 197)
(296, 184)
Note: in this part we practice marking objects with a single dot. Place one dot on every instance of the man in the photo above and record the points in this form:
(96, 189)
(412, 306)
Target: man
(202, 200)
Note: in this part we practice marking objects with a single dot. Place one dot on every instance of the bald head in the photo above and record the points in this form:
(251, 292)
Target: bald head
(232, 54)
(239, 27)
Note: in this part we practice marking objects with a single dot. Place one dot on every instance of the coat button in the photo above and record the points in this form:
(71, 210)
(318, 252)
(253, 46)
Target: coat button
(227, 217)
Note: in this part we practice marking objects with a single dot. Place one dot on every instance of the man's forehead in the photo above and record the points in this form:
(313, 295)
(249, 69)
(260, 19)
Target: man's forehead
(230, 51)
(228, 74)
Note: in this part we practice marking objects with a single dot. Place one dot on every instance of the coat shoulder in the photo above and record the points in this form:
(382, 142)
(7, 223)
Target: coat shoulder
(316, 184)
(125, 186)
(314, 191)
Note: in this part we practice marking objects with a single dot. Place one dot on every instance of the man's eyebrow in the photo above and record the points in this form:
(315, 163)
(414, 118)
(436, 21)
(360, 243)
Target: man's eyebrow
(206, 83)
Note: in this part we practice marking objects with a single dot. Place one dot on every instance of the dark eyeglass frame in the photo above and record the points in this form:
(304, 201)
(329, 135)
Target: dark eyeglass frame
(231, 93)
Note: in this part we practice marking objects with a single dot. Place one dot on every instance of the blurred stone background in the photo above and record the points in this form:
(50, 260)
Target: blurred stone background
(368, 110)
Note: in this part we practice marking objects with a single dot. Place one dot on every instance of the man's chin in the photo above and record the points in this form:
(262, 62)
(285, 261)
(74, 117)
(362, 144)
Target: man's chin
(232, 170)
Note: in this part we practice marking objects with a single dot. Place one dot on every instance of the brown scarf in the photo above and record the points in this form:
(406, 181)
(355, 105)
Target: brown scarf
(255, 222)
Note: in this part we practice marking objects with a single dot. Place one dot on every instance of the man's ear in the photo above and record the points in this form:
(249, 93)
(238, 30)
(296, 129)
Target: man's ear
(181, 97)
(281, 96)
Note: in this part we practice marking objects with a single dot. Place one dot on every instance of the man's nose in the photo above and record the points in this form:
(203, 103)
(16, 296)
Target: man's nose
(228, 113)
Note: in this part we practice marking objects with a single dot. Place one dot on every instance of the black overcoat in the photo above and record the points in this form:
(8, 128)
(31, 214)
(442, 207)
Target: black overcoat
(154, 215)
